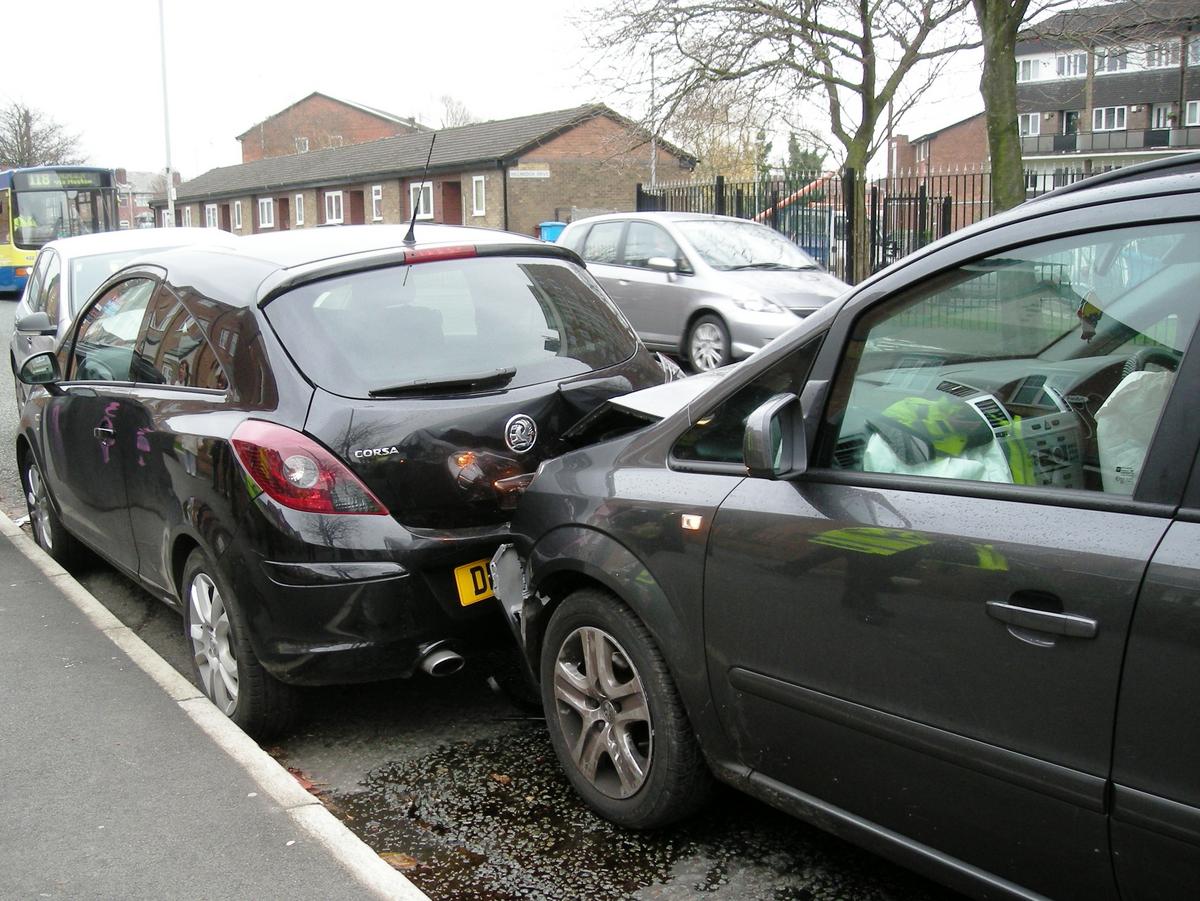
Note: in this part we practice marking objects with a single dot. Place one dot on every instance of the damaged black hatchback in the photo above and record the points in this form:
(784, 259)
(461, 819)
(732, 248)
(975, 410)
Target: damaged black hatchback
(311, 444)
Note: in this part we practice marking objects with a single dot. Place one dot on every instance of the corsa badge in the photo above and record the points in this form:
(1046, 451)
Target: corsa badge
(520, 434)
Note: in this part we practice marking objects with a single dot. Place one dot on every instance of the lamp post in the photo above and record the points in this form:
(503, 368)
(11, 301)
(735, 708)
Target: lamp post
(653, 142)
(162, 51)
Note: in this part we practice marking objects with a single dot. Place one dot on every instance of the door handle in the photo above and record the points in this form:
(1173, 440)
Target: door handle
(103, 434)
(1068, 624)
(622, 282)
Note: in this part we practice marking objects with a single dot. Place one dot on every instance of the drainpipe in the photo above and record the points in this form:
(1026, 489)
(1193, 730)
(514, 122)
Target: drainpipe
(504, 182)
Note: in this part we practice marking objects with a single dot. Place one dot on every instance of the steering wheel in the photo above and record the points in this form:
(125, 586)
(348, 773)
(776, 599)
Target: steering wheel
(1138, 361)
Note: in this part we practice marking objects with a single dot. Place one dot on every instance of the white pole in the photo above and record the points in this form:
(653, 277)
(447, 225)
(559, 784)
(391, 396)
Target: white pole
(162, 50)
(653, 142)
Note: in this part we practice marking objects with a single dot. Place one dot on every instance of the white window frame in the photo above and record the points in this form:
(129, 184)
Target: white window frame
(166, 218)
(333, 199)
(1029, 125)
(1111, 60)
(211, 220)
(478, 195)
(299, 209)
(1163, 55)
(921, 152)
(1071, 65)
(376, 203)
(1191, 116)
(1193, 52)
(1100, 113)
(1161, 115)
(418, 193)
(266, 205)
(301, 144)
(1027, 70)
(237, 214)
(187, 217)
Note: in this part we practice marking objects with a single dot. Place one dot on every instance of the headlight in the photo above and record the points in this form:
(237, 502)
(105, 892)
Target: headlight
(757, 305)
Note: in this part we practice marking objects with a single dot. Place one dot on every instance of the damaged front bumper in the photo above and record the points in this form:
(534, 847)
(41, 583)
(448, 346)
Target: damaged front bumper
(523, 609)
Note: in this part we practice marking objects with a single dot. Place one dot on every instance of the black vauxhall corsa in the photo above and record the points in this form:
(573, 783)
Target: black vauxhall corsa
(311, 445)
(925, 571)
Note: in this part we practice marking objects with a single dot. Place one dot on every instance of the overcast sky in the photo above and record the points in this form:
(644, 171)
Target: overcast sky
(93, 65)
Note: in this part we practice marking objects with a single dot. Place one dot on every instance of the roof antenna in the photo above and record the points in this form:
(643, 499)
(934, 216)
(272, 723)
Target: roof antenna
(411, 237)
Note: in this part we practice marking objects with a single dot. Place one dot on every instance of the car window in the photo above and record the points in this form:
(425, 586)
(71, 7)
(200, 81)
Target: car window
(645, 240)
(52, 287)
(522, 320)
(601, 243)
(108, 331)
(173, 347)
(736, 244)
(88, 273)
(716, 436)
(1046, 365)
(33, 290)
(573, 238)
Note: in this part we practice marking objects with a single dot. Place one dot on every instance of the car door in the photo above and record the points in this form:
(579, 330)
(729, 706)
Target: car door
(88, 429)
(602, 252)
(658, 303)
(926, 629)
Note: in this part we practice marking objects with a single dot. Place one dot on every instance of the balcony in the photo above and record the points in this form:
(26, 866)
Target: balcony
(1112, 141)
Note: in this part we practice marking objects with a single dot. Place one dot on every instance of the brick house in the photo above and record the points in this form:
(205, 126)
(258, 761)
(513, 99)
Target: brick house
(957, 147)
(318, 122)
(510, 174)
(1108, 86)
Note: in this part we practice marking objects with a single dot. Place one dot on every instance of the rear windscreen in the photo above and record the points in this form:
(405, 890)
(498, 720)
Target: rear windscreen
(440, 321)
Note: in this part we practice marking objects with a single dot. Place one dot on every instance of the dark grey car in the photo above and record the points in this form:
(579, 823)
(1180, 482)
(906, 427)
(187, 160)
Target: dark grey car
(924, 572)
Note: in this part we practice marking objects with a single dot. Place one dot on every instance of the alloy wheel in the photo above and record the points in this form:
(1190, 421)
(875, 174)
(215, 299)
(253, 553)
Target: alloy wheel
(212, 643)
(39, 506)
(708, 346)
(601, 708)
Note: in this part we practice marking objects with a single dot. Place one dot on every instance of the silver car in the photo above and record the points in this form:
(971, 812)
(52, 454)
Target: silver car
(66, 273)
(712, 289)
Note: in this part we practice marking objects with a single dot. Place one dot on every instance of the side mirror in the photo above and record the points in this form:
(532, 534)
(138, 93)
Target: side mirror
(662, 264)
(41, 369)
(37, 324)
(774, 445)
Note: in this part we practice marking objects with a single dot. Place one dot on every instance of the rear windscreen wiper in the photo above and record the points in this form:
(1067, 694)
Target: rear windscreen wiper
(787, 266)
(496, 378)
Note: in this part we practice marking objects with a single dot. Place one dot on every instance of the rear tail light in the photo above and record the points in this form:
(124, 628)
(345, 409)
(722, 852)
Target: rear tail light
(489, 477)
(433, 254)
(298, 473)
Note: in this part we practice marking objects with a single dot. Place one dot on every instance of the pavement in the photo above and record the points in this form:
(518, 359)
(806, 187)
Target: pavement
(121, 780)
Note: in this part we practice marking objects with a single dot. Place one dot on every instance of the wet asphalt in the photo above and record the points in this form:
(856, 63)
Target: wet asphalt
(460, 790)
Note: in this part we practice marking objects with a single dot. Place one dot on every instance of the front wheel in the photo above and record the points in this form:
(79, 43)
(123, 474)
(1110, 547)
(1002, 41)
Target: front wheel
(615, 718)
(708, 344)
(48, 530)
(222, 659)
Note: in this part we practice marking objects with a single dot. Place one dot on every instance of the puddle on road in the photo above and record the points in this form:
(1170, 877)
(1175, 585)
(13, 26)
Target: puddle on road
(477, 834)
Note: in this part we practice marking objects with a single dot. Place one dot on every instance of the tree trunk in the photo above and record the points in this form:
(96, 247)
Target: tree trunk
(998, 23)
(859, 237)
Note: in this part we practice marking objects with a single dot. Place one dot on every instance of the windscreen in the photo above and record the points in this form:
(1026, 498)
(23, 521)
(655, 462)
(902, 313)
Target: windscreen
(42, 216)
(526, 320)
(743, 245)
(88, 272)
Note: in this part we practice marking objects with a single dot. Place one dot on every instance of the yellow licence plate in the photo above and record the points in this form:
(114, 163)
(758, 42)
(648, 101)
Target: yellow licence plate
(474, 582)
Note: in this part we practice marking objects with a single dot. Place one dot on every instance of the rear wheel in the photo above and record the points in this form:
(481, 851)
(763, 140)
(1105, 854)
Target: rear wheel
(708, 344)
(48, 530)
(615, 718)
(222, 659)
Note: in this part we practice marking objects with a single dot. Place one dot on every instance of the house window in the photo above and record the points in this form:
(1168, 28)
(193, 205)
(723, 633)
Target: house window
(1162, 56)
(266, 212)
(1192, 116)
(420, 197)
(210, 215)
(1071, 65)
(333, 207)
(335, 141)
(478, 184)
(1161, 115)
(302, 145)
(187, 217)
(299, 209)
(376, 202)
(1108, 118)
(1111, 60)
(922, 151)
(1193, 56)
(1027, 69)
(1070, 121)
(166, 219)
(237, 214)
(1029, 124)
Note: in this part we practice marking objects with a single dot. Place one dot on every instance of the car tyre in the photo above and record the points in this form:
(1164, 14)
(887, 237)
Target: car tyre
(48, 530)
(708, 345)
(615, 718)
(223, 663)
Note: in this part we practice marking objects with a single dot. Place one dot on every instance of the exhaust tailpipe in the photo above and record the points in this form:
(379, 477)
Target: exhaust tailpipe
(438, 660)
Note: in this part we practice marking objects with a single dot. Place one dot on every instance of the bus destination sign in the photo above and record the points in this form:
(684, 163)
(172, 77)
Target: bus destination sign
(51, 180)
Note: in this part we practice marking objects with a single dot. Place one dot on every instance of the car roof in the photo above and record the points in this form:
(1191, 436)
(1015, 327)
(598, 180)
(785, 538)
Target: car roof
(137, 239)
(663, 216)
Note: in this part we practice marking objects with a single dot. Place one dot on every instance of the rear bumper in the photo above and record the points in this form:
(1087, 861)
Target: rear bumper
(10, 282)
(751, 331)
(362, 610)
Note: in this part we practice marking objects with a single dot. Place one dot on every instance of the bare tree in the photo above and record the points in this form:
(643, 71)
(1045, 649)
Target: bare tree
(455, 113)
(29, 137)
(858, 56)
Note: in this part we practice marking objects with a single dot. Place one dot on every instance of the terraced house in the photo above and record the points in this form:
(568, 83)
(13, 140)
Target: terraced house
(511, 174)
